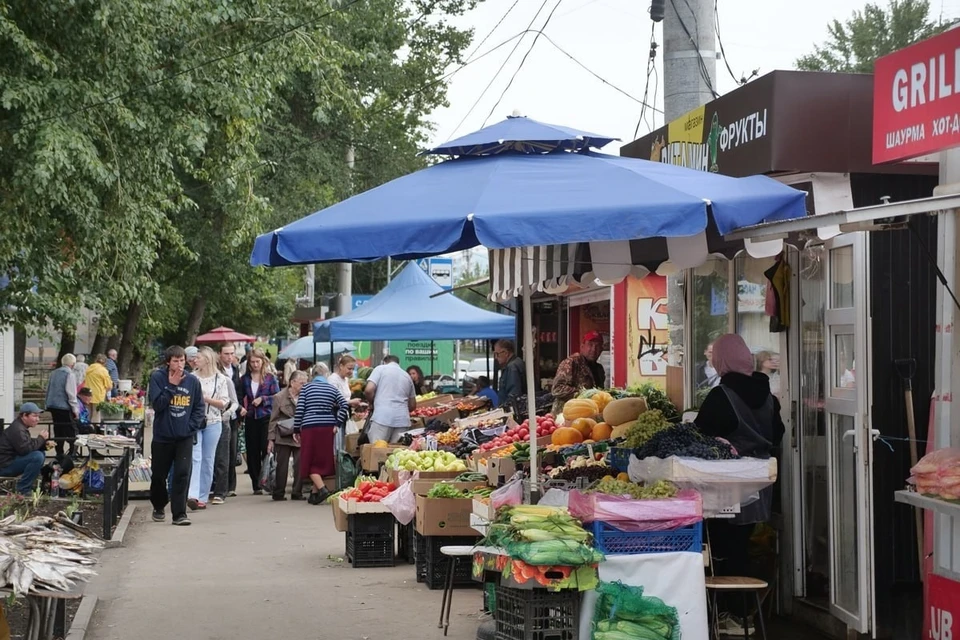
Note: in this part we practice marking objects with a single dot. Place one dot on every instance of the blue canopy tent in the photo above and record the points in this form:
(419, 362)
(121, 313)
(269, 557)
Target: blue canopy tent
(519, 184)
(407, 310)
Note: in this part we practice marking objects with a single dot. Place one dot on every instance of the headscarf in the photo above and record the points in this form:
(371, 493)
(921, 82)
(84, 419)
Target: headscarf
(731, 355)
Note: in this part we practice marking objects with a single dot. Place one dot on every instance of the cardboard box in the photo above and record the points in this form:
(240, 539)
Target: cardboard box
(372, 457)
(443, 398)
(339, 517)
(349, 507)
(448, 416)
(444, 516)
(480, 417)
(352, 445)
(483, 510)
(497, 467)
(398, 477)
(422, 487)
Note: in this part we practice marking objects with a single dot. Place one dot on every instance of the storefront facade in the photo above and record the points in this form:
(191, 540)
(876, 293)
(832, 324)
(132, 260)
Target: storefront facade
(855, 303)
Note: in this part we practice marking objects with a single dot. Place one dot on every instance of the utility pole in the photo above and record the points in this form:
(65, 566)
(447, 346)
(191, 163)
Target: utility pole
(689, 55)
(345, 269)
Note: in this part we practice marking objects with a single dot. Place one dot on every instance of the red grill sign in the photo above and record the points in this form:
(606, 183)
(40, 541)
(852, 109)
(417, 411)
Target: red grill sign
(916, 99)
(942, 621)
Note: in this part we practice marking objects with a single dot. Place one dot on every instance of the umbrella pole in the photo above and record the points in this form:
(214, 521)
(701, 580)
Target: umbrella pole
(531, 392)
(431, 362)
(331, 356)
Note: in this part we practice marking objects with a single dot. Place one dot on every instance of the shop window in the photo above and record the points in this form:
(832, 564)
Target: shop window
(841, 277)
(710, 315)
(847, 591)
(753, 324)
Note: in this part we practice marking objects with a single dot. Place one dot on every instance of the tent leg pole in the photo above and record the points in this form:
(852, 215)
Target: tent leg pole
(331, 356)
(431, 361)
(528, 353)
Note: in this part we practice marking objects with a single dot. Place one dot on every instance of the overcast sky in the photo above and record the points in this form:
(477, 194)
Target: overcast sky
(611, 37)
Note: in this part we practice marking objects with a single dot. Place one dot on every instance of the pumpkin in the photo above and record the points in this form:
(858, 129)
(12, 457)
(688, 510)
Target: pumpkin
(624, 410)
(580, 408)
(599, 396)
(584, 426)
(566, 435)
(601, 431)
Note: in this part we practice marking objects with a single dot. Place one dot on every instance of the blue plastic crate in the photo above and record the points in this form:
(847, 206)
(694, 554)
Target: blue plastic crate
(619, 458)
(609, 539)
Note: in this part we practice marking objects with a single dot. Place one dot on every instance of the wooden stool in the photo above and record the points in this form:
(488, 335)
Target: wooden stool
(745, 586)
(454, 552)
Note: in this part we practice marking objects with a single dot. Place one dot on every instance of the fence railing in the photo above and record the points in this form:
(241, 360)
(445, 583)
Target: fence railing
(116, 487)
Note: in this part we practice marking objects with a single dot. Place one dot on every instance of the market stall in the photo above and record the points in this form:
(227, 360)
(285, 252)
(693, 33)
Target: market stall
(518, 185)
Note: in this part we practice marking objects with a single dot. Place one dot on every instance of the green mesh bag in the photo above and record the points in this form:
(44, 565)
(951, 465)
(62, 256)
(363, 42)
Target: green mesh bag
(624, 612)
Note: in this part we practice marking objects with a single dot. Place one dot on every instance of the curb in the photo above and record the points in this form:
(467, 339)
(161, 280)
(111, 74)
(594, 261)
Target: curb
(121, 530)
(81, 620)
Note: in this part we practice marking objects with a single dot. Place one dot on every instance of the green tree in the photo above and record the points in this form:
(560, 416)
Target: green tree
(478, 295)
(854, 45)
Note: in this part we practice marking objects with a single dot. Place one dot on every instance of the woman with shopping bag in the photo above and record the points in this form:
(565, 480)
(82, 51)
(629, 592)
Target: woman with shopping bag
(280, 440)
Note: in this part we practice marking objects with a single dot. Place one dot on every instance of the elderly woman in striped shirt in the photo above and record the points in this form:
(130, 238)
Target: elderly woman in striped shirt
(320, 411)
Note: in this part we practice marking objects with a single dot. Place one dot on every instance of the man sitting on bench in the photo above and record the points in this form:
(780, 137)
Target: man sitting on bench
(22, 455)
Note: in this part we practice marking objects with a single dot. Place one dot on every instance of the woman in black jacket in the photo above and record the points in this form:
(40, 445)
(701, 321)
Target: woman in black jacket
(742, 411)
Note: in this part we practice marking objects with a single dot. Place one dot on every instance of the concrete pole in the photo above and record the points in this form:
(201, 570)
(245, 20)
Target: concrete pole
(345, 269)
(689, 33)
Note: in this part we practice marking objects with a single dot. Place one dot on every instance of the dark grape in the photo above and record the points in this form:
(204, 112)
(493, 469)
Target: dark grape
(685, 440)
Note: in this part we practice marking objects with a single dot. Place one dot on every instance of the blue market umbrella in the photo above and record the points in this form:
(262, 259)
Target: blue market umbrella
(522, 183)
(303, 349)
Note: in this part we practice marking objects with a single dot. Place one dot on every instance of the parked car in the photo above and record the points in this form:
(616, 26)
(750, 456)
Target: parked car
(478, 367)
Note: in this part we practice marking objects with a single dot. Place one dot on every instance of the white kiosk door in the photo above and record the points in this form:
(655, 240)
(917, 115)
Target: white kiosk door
(849, 436)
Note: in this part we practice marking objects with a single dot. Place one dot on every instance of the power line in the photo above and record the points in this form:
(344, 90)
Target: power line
(495, 27)
(497, 74)
(742, 80)
(523, 60)
(651, 66)
(200, 65)
(598, 76)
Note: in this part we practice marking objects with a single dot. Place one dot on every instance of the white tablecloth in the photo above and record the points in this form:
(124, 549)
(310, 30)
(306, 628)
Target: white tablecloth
(675, 578)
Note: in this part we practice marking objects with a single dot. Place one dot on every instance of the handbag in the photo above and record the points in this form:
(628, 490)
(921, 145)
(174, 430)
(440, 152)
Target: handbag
(285, 427)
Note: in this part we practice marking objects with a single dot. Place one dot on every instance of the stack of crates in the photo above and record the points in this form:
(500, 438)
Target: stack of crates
(537, 614)
(370, 540)
(431, 564)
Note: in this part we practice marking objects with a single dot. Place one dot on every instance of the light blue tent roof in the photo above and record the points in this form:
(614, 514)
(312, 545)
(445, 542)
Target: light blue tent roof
(306, 348)
(404, 310)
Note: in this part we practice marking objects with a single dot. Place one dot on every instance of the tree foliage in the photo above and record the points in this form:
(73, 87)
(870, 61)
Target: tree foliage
(144, 145)
(854, 45)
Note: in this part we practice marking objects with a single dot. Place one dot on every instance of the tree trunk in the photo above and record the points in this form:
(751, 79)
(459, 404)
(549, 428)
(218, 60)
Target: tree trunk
(113, 342)
(126, 351)
(136, 366)
(197, 310)
(99, 346)
(68, 342)
(19, 348)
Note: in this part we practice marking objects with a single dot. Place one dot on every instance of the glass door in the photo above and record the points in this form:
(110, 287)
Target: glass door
(848, 437)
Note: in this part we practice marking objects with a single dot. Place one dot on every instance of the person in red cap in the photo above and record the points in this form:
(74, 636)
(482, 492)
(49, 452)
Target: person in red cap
(579, 371)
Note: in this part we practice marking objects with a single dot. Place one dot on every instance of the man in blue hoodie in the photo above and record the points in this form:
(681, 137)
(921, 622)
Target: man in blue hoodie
(177, 401)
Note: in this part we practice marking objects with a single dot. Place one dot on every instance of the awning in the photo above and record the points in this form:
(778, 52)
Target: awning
(827, 225)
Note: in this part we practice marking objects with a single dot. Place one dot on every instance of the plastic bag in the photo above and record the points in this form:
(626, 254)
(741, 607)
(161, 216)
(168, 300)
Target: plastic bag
(402, 503)
(938, 474)
(555, 498)
(268, 476)
(346, 470)
(634, 515)
(560, 553)
(509, 494)
(620, 607)
(93, 479)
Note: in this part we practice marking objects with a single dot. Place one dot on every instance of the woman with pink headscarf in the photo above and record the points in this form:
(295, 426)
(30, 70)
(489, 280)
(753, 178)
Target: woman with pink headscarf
(743, 411)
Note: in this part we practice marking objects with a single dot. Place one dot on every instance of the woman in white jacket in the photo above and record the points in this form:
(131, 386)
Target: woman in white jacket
(216, 396)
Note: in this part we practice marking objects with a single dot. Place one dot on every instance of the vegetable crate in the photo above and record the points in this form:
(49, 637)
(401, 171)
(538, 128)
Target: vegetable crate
(431, 565)
(370, 540)
(609, 539)
(537, 614)
(619, 458)
(406, 542)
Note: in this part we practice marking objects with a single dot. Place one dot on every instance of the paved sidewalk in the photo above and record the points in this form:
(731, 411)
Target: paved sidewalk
(254, 568)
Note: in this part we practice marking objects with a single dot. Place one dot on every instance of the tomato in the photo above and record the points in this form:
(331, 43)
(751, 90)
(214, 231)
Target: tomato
(524, 433)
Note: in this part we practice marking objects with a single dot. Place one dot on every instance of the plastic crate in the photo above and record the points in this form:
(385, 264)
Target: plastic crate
(431, 565)
(537, 614)
(370, 540)
(619, 458)
(406, 544)
(609, 539)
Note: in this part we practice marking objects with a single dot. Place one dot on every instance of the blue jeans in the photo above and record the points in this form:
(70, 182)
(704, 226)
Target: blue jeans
(204, 454)
(27, 468)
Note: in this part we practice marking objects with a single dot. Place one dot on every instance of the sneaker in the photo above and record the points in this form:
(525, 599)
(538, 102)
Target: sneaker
(297, 496)
(279, 498)
(258, 492)
(217, 500)
(232, 494)
(182, 521)
(201, 505)
(193, 504)
(733, 626)
(159, 516)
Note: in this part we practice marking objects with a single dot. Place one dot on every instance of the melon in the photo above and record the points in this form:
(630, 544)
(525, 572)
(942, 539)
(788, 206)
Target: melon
(601, 431)
(565, 436)
(580, 408)
(584, 426)
(624, 410)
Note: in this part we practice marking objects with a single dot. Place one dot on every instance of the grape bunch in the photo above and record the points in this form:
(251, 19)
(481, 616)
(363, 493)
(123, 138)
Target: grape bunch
(685, 440)
(647, 425)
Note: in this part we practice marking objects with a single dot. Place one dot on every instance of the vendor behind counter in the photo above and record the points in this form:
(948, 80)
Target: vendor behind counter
(744, 412)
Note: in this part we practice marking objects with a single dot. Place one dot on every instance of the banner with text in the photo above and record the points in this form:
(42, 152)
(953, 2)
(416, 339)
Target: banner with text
(647, 330)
